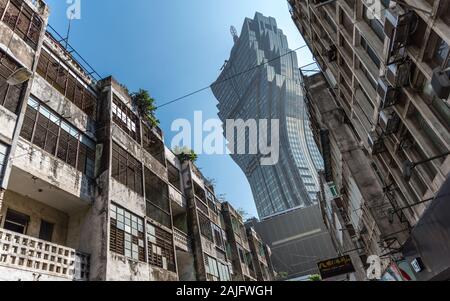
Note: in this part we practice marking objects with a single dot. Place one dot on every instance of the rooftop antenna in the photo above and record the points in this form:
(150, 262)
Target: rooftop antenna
(71, 17)
(234, 33)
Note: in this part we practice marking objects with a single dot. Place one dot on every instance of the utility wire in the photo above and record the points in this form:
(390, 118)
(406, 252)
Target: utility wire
(228, 78)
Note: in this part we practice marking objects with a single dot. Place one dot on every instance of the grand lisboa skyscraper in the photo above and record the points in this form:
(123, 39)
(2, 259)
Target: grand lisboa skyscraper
(272, 91)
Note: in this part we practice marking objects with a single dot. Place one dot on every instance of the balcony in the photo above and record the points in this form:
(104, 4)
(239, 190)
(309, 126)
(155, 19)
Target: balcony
(176, 196)
(182, 241)
(31, 255)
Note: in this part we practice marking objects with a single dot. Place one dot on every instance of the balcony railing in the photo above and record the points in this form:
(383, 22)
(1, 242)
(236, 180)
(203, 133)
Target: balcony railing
(31, 254)
(181, 240)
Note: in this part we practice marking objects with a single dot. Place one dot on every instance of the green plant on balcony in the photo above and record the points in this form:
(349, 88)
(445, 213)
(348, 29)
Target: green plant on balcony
(185, 154)
(315, 278)
(145, 105)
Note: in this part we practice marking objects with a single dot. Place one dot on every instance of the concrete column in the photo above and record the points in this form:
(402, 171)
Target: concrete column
(2, 195)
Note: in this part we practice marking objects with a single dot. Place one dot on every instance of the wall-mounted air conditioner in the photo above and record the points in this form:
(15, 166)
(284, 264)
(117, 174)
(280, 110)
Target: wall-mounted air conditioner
(331, 53)
(376, 143)
(397, 75)
(389, 121)
(387, 93)
(441, 83)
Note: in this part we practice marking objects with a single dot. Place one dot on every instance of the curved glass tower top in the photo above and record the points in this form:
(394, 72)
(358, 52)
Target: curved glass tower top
(272, 91)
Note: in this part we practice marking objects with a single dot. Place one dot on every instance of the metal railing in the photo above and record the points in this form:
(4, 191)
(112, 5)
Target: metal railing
(31, 254)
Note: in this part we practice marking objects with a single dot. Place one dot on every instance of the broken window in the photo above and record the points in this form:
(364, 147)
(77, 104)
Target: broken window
(205, 226)
(47, 130)
(160, 248)
(22, 20)
(9, 95)
(66, 83)
(3, 154)
(126, 233)
(16, 221)
(46, 231)
(125, 119)
(153, 145)
(126, 169)
(156, 194)
(174, 176)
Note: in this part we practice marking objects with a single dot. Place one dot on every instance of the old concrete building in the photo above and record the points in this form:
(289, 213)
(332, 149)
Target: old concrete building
(88, 189)
(381, 111)
(239, 247)
(261, 254)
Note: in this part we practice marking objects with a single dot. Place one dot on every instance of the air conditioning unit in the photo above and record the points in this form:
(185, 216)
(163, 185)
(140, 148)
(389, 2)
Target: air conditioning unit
(397, 24)
(397, 75)
(441, 83)
(387, 93)
(388, 121)
(331, 53)
(376, 143)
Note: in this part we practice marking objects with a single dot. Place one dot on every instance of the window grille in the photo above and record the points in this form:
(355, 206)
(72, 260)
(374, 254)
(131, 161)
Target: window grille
(160, 248)
(126, 169)
(9, 95)
(125, 119)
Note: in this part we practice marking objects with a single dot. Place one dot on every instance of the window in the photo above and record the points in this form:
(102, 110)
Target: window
(218, 236)
(126, 169)
(160, 248)
(47, 130)
(374, 23)
(205, 226)
(174, 176)
(125, 119)
(241, 254)
(9, 95)
(22, 20)
(16, 221)
(224, 272)
(46, 231)
(156, 194)
(370, 52)
(153, 145)
(126, 233)
(212, 270)
(58, 75)
(3, 154)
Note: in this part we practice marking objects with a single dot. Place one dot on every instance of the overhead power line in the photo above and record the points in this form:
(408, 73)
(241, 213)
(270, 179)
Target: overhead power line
(228, 78)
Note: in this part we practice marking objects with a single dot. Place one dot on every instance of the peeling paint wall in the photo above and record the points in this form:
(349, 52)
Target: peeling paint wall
(7, 124)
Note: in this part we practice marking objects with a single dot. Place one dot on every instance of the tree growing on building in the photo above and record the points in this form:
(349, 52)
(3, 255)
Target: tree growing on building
(185, 154)
(145, 105)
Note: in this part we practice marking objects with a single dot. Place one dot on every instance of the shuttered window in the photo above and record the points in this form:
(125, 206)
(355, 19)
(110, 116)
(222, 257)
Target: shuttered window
(126, 169)
(9, 95)
(160, 248)
(61, 79)
(127, 236)
(22, 20)
(47, 130)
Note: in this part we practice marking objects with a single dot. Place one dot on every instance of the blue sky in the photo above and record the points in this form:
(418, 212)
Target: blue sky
(171, 48)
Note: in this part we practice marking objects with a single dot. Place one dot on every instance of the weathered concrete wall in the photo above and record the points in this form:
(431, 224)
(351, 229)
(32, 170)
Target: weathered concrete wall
(186, 266)
(37, 212)
(127, 198)
(7, 125)
(10, 274)
(56, 101)
(50, 169)
(18, 49)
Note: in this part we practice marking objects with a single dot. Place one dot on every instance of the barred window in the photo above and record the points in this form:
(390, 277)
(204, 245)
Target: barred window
(45, 129)
(125, 119)
(153, 145)
(205, 226)
(156, 194)
(66, 83)
(160, 248)
(3, 154)
(22, 20)
(9, 95)
(126, 233)
(126, 169)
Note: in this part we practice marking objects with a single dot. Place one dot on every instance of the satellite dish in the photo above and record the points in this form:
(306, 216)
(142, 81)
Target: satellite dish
(19, 76)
